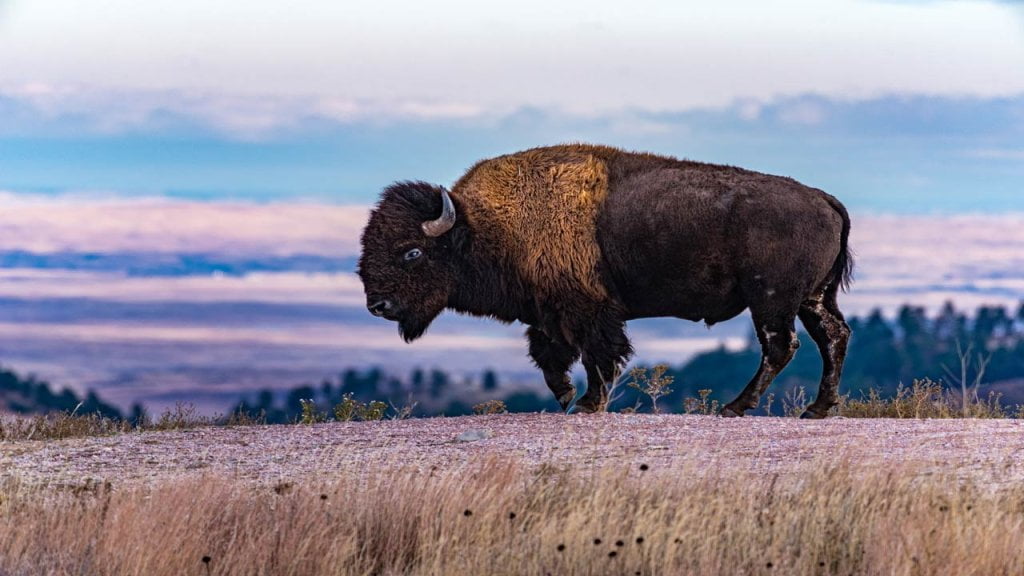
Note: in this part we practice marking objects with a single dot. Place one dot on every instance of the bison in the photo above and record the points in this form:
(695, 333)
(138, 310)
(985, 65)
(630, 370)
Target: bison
(575, 240)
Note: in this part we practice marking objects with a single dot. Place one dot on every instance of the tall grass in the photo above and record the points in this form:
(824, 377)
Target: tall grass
(498, 517)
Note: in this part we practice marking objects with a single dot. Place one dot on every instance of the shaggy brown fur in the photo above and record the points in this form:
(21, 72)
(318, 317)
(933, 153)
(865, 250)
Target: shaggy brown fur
(539, 208)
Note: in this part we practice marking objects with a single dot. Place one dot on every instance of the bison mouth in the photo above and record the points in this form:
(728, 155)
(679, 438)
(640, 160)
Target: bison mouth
(412, 321)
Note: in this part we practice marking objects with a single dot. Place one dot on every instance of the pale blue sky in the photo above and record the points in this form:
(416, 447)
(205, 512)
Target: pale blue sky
(893, 106)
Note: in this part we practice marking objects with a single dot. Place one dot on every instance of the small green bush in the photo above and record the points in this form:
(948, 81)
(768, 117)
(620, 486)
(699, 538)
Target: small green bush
(350, 409)
(310, 413)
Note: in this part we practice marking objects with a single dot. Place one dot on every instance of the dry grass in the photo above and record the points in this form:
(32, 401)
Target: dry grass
(925, 399)
(499, 517)
(59, 426)
(62, 425)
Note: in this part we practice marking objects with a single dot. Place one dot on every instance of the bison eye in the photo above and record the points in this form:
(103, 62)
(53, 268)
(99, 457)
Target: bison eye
(413, 254)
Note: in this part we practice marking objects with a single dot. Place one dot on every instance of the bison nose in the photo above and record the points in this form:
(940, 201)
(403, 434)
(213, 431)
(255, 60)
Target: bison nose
(379, 307)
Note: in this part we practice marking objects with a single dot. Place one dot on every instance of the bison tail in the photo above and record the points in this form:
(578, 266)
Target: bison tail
(841, 275)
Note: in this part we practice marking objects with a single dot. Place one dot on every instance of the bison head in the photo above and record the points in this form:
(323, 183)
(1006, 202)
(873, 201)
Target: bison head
(406, 265)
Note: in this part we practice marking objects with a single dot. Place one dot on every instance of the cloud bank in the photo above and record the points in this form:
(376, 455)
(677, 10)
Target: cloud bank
(44, 224)
(580, 56)
(971, 259)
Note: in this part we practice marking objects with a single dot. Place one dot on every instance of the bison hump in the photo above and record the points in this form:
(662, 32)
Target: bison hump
(539, 209)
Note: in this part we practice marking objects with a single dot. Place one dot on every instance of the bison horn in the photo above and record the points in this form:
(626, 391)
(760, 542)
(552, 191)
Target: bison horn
(435, 228)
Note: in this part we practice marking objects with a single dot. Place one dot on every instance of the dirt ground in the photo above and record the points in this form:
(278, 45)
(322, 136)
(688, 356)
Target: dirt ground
(990, 451)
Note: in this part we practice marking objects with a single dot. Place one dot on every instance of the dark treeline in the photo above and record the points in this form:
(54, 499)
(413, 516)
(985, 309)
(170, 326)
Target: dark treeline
(27, 395)
(423, 393)
(883, 354)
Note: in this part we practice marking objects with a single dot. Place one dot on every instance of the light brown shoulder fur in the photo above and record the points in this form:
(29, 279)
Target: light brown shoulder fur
(538, 209)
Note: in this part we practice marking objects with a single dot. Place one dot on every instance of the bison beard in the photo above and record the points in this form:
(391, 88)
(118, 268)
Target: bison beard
(574, 241)
(411, 328)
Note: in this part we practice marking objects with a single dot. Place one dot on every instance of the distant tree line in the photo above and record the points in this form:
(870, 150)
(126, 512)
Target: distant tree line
(27, 395)
(422, 393)
(883, 354)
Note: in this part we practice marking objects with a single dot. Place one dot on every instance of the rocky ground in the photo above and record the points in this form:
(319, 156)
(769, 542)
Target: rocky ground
(991, 451)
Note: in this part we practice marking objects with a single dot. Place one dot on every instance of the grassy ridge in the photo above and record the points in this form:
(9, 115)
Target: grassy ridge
(495, 517)
(922, 399)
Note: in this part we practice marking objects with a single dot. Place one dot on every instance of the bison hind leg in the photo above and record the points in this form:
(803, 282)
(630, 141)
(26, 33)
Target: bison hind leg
(777, 335)
(827, 327)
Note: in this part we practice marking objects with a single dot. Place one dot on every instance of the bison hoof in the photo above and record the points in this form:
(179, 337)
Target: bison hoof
(729, 412)
(812, 415)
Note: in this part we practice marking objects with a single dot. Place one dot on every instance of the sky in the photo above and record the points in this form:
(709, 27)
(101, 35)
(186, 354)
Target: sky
(183, 183)
(893, 106)
(459, 58)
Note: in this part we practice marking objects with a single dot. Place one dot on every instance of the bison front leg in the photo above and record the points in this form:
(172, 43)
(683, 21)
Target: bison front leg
(605, 350)
(554, 359)
(778, 345)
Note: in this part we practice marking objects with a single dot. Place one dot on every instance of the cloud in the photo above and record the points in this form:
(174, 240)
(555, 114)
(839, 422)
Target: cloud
(39, 110)
(452, 53)
(339, 289)
(333, 335)
(75, 223)
(927, 259)
(801, 112)
(42, 108)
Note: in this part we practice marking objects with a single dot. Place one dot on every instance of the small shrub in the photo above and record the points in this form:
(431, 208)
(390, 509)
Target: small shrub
(612, 391)
(375, 410)
(403, 412)
(245, 418)
(310, 413)
(182, 416)
(924, 398)
(702, 405)
(794, 402)
(346, 410)
(350, 409)
(653, 385)
(490, 407)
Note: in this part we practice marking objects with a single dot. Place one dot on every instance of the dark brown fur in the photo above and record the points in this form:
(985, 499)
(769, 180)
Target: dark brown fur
(575, 240)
